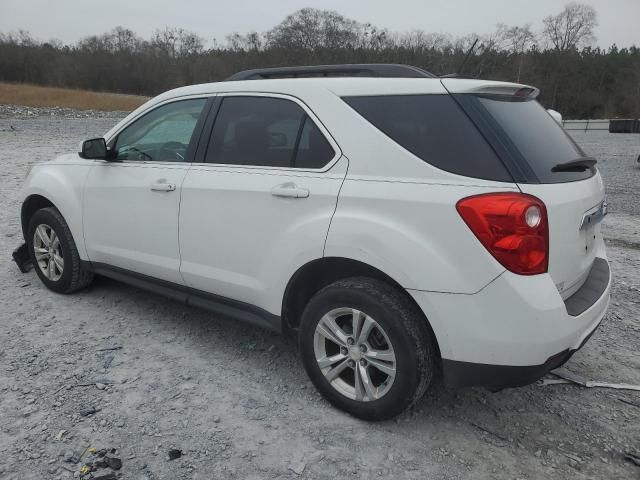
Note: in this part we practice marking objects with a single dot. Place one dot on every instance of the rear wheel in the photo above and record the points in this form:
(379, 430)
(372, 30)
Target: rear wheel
(54, 254)
(366, 348)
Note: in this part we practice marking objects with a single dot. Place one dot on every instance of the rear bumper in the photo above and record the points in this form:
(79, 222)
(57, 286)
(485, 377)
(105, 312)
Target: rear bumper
(514, 330)
(467, 374)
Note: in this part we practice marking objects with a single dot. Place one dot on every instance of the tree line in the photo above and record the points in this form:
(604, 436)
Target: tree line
(575, 78)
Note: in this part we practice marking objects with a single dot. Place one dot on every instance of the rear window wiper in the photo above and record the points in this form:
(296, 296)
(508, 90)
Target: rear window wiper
(578, 165)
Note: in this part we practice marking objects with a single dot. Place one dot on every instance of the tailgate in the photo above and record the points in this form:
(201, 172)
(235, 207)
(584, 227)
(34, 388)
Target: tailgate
(545, 162)
(574, 212)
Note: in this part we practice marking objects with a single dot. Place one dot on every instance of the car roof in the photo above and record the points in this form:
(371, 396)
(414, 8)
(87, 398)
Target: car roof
(347, 86)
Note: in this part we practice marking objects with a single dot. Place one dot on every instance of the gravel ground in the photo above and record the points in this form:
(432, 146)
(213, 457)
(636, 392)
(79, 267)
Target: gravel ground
(236, 400)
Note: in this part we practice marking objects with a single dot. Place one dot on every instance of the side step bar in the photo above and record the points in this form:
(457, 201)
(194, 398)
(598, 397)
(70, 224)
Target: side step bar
(227, 307)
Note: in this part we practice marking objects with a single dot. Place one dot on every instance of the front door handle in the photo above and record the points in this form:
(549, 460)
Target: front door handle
(163, 187)
(290, 190)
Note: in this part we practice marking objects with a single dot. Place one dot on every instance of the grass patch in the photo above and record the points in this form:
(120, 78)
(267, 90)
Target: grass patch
(36, 96)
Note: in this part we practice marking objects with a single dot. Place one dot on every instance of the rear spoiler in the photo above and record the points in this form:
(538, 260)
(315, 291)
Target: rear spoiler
(483, 87)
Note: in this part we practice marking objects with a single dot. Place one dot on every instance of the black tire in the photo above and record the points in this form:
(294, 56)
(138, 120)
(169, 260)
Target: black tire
(406, 329)
(74, 276)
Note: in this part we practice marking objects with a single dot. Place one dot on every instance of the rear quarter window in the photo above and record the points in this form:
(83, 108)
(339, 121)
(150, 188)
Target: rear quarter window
(435, 129)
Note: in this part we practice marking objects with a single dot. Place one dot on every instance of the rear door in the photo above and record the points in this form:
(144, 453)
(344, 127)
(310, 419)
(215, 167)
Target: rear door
(548, 164)
(257, 203)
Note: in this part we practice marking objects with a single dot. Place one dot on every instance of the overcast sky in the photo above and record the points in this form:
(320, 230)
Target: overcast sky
(70, 20)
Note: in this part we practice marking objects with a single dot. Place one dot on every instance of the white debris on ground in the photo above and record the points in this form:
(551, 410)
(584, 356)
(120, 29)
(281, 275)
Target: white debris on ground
(181, 394)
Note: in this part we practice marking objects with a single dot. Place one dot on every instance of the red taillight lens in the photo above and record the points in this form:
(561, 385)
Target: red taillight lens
(512, 226)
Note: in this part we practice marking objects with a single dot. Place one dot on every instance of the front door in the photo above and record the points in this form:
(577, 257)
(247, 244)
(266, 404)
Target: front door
(131, 202)
(260, 203)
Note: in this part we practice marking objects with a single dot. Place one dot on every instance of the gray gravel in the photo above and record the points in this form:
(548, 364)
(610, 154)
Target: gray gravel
(114, 367)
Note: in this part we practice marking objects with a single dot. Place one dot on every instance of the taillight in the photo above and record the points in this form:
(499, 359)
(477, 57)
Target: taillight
(512, 226)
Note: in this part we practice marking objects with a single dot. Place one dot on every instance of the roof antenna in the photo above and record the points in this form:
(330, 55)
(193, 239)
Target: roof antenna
(464, 62)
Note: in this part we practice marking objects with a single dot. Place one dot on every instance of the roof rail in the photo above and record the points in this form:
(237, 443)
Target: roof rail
(347, 70)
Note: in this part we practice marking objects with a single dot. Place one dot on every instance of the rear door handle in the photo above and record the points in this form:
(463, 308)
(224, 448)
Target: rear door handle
(290, 190)
(163, 187)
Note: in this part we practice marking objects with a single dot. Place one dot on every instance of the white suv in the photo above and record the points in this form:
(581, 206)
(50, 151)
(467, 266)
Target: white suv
(407, 226)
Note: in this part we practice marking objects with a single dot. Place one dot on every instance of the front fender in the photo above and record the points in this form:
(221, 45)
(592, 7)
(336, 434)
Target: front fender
(62, 185)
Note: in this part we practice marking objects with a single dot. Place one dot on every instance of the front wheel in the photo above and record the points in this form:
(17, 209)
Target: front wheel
(54, 254)
(367, 348)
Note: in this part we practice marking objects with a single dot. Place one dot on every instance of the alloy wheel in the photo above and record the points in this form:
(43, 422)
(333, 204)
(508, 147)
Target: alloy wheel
(354, 354)
(48, 252)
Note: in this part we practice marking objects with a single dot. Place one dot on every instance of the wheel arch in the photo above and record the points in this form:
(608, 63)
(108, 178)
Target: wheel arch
(31, 205)
(317, 274)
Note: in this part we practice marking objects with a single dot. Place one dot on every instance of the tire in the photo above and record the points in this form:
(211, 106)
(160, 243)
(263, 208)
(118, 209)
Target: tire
(72, 276)
(400, 331)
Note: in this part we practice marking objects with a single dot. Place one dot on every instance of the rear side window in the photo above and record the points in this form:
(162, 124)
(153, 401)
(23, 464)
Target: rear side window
(435, 129)
(532, 137)
(268, 132)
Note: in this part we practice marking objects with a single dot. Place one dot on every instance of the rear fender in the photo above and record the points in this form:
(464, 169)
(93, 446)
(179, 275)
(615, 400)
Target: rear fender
(413, 233)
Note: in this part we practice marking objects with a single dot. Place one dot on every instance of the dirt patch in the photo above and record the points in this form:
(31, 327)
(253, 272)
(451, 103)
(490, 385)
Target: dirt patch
(117, 368)
(36, 96)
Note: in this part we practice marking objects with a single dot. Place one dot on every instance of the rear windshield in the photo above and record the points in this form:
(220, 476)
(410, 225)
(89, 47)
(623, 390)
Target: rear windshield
(531, 136)
(435, 129)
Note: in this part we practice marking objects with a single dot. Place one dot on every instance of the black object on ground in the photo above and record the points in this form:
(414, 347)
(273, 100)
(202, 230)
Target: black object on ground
(113, 462)
(109, 349)
(174, 453)
(22, 258)
(106, 476)
(633, 458)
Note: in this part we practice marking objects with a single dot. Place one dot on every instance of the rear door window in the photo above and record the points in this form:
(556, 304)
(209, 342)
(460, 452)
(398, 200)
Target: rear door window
(314, 151)
(435, 129)
(530, 135)
(269, 132)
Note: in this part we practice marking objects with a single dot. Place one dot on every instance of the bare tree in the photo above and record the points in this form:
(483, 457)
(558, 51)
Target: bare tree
(177, 42)
(310, 28)
(373, 38)
(419, 40)
(571, 28)
(21, 37)
(242, 43)
(516, 40)
(124, 40)
(189, 43)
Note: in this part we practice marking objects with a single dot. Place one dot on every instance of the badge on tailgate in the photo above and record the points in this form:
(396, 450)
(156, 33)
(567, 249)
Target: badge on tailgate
(594, 216)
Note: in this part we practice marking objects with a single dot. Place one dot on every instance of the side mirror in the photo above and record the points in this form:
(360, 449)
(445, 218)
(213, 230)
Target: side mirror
(94, 149)
(556, 116)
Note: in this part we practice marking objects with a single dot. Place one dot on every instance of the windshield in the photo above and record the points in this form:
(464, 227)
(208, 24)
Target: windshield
(532, 137)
